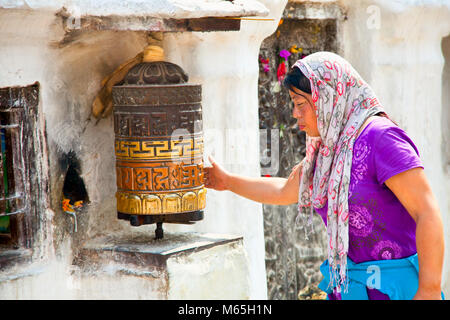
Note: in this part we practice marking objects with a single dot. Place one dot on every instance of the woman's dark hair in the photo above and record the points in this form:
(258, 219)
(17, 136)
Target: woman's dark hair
(384, 114)
(295, 78)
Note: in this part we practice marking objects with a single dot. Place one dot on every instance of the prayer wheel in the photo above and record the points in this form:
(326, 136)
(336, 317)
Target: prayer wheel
(158, 146)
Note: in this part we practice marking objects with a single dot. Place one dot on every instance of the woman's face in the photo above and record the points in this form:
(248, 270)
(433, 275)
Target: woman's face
(304, 112)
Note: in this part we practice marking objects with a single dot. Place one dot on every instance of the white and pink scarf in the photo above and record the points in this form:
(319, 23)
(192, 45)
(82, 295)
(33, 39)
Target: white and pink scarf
(342, 101)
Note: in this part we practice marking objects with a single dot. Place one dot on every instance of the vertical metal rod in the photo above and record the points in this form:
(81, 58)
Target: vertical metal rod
(159, 232)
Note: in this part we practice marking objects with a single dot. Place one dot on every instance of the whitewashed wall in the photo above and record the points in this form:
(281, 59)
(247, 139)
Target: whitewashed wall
(225, 63)
(396, 47)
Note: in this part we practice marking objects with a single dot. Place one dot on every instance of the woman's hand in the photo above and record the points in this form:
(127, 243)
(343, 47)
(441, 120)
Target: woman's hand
(215, 177)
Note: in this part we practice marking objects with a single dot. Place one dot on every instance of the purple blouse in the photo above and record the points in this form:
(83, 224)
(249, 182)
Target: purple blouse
(379, 225)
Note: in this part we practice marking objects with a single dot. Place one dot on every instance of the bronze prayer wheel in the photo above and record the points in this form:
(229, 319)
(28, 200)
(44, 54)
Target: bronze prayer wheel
(158, 146)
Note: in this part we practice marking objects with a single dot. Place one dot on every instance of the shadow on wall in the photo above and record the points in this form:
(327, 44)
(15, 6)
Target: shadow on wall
(445, 117)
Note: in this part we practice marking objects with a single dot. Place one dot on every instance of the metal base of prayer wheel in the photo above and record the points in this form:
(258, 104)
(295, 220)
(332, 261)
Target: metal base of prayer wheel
(181, 218)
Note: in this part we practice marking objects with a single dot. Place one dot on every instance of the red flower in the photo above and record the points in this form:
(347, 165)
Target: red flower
(281, 72)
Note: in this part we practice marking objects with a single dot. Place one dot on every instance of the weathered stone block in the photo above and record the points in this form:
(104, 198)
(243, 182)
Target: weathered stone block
(179, 266)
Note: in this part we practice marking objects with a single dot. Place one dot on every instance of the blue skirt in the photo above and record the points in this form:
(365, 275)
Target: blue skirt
(397, 278)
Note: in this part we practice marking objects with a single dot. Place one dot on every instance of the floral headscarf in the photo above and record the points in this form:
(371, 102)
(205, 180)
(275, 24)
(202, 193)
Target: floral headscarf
(342, 101)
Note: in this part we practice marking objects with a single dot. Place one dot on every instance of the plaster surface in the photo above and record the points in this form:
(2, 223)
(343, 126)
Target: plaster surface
(70, 74)
(175, 9)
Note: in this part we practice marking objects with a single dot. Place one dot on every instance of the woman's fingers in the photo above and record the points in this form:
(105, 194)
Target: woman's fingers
(214, 176)
(207, 177)
(208, 172)
(212, 161)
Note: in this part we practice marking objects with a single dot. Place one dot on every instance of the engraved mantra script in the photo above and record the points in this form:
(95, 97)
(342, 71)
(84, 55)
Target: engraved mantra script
(159, 178)
(157, 123)
(156, 96)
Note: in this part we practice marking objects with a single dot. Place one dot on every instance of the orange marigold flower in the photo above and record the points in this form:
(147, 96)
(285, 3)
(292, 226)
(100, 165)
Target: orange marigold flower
(78, 204)
(66, 206)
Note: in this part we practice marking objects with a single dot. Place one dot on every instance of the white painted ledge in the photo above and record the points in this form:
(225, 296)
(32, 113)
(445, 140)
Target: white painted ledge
(164, 9)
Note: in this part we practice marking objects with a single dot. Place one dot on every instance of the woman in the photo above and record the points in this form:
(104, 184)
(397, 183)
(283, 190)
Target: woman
(363, 176)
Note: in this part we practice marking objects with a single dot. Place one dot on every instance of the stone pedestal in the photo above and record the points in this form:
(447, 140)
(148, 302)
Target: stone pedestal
(179, 266)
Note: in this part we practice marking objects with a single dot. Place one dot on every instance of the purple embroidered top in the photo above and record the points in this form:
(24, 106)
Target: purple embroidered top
(379, 225)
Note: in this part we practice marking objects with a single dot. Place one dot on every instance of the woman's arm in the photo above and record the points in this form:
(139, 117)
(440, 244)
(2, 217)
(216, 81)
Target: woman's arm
(278, 191)
(414, 192)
